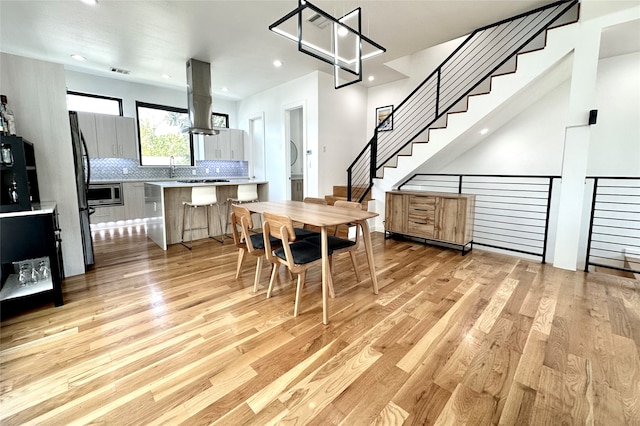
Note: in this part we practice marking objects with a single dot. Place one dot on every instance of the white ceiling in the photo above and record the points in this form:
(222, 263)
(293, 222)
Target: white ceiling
(150, 38)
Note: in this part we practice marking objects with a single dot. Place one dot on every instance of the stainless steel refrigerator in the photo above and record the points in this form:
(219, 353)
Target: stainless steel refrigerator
(83, 176)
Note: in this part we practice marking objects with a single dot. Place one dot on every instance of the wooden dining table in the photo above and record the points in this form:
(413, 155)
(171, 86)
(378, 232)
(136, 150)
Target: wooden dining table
(324, 217)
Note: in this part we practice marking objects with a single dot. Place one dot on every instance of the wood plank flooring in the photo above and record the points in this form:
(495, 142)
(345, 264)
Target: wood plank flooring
(152, 337)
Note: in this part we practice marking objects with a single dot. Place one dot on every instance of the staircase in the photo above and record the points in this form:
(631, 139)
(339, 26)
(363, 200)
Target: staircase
(426, 115)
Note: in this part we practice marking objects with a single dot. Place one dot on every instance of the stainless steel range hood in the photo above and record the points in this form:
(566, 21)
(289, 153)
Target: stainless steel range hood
(199, 97)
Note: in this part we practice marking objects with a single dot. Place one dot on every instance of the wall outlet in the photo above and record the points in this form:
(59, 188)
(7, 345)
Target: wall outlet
(206, 170)
(217, 169)
(193, 172)
(125, 171)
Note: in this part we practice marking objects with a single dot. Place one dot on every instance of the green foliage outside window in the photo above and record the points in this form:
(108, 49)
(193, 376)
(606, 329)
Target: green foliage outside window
(163, 135)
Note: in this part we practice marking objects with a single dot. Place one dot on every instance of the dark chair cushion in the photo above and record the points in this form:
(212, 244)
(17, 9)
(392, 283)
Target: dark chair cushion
(258, 241)
(334, 243)
(302, 252)
(303, 234)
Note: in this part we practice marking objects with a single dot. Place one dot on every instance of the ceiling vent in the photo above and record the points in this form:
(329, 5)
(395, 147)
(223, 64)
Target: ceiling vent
(319, 21)
(120, 71)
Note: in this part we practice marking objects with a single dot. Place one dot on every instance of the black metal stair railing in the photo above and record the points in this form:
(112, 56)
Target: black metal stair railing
(483, 53)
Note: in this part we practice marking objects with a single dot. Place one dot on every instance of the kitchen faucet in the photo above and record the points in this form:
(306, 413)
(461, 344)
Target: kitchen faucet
(172, 167)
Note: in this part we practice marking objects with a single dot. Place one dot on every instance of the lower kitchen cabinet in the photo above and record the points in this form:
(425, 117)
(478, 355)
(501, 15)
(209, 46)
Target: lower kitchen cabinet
(132, 207)
(297, 189)
(133, 200)
(434, 216)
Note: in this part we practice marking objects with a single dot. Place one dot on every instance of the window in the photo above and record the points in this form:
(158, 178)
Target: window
(220, 120)
(86, 102)
(162, 134)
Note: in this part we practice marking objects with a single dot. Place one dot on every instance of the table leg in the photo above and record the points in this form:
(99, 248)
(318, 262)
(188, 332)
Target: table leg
(325, 274)
(369, 249)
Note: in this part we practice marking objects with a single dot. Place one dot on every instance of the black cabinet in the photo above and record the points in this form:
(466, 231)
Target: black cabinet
(18, 173)
(29, 238)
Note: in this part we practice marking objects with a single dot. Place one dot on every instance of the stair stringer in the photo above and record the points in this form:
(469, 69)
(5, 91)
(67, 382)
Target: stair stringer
(537, 73)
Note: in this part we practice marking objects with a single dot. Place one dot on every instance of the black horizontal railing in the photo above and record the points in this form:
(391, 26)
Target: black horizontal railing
(479, 57)
(512, 212)
(614, 227)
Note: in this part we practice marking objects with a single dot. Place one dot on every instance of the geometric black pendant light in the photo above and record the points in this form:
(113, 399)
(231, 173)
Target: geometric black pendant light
(336, 41)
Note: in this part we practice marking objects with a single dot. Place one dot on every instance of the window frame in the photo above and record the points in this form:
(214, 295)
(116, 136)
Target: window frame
(163, 108)
(94, 96)
(221, 114)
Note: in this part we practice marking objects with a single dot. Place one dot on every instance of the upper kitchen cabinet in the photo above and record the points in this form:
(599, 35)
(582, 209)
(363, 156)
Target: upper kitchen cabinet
(109, 136)
(87, 125)
(226, 145)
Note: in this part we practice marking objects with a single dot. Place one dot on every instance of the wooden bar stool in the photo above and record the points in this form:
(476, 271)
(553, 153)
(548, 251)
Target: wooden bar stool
(201, 196)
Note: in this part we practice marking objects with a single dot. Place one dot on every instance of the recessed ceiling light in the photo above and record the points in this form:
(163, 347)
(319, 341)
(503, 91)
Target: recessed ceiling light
(277, 63)
(91, 2)
(224, 89)
(342, 31)
(78, 57)
(166, 76)
(371, 78)
(484, 131)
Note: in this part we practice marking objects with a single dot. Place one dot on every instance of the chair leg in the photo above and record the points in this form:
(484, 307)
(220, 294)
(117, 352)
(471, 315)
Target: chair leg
(184, 215)
(355, 265)
(184, 218)
(241, 253)
(256, 280)
(226, 225)
(274, 272)
(301, 278)
(332, 292)
(221, 240)
(191, 209)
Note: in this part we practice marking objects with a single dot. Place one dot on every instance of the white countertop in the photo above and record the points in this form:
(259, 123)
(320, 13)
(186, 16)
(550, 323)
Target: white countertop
(44, 207)
(176, 184)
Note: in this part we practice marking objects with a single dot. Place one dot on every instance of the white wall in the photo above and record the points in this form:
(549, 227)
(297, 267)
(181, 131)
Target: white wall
(615, 139)
(36, 93)
(532, 143)
(417, 66)
(273, 103)
(342, 131)
(132, 92)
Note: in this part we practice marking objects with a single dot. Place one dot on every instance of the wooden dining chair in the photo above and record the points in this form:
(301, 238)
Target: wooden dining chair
(248, 242)
(306, 231)
(339, 245)
(298, 256)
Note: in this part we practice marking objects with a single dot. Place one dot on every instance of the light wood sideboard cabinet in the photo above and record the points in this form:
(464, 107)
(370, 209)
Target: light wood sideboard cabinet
(435, 216)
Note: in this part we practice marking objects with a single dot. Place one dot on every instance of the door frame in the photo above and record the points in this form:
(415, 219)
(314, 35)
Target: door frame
(286, 131)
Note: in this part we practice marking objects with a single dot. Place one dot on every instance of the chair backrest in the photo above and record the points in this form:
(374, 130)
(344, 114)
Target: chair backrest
(281, 227)
(243, 220)
(315, 200)
(203, 195)
(343, 230)
(238, 238)
(247, 192)
(347, 204)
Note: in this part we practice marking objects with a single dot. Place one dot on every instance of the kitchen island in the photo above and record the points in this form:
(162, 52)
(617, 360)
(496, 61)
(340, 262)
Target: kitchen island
(164, 210)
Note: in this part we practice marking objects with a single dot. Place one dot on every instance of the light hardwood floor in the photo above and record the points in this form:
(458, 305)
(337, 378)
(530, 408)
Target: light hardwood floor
(153, 337)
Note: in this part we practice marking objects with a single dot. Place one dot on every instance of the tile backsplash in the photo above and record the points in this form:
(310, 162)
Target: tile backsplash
(113, 169)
